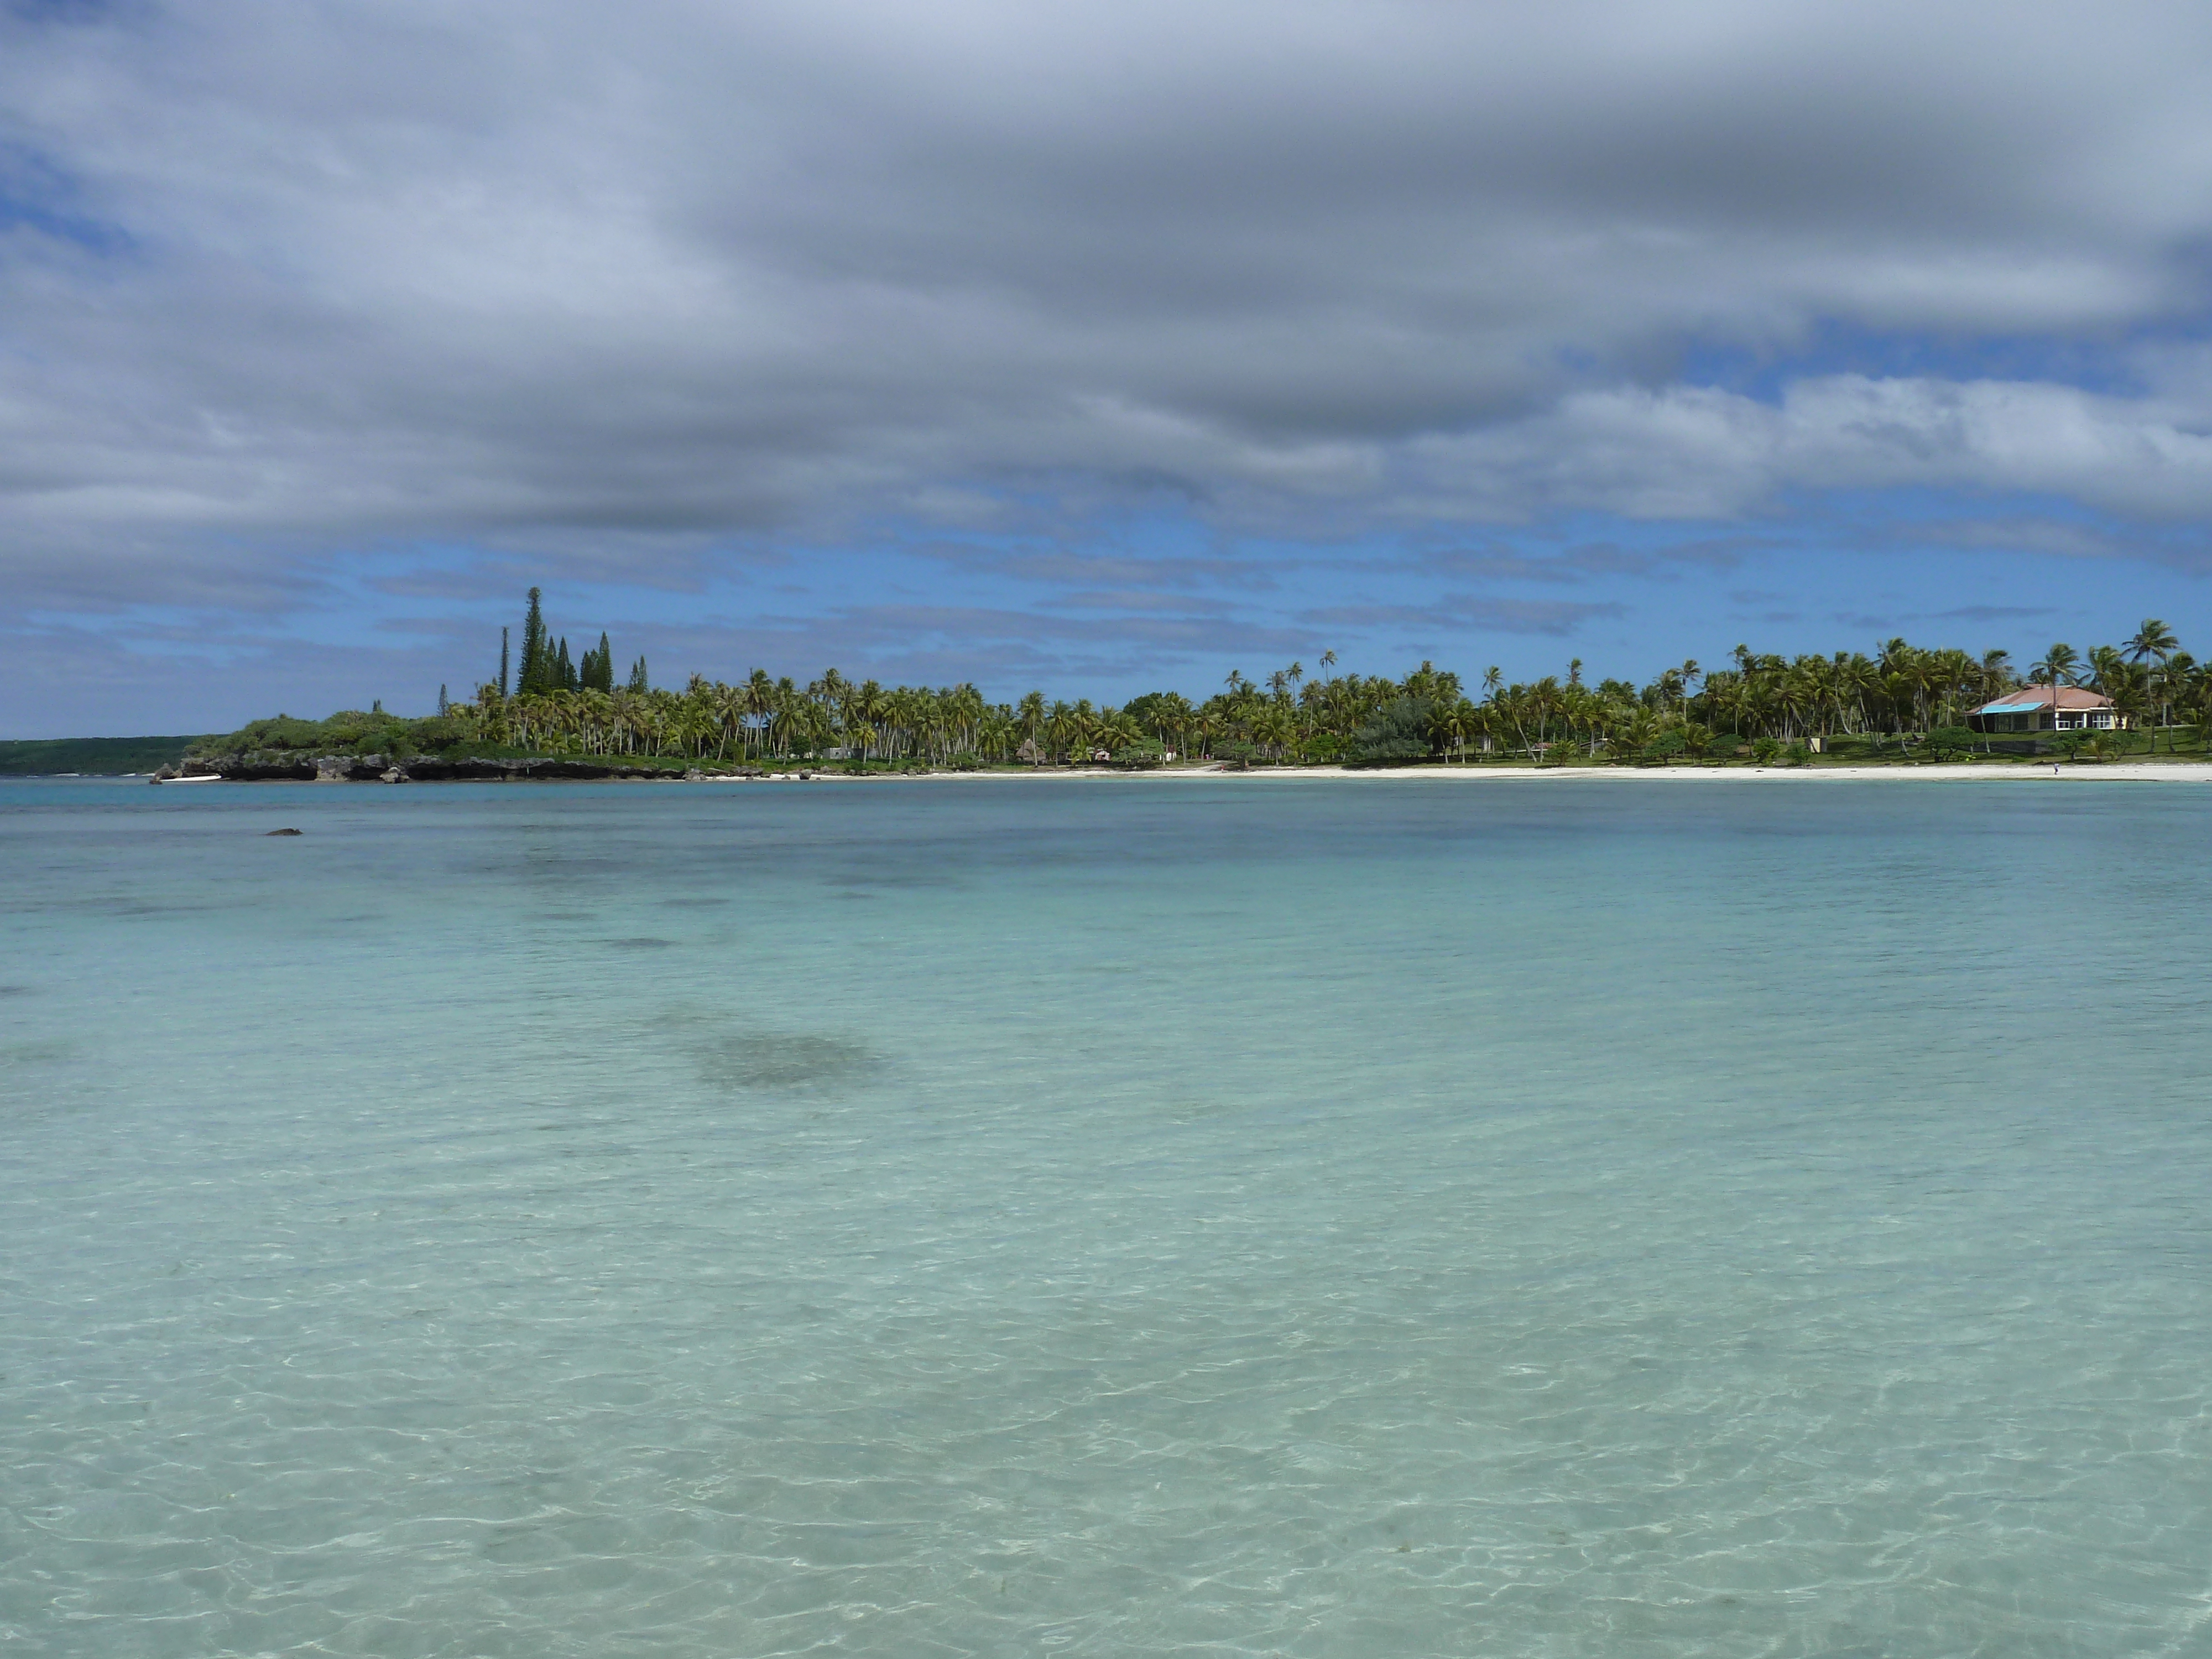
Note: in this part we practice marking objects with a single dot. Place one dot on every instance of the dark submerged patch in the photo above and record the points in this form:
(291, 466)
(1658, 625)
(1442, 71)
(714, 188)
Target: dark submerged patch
(784, 1062)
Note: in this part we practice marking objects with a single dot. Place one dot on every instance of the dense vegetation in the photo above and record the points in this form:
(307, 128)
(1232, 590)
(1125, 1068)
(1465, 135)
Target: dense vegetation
(50, 757)
(1904, 700)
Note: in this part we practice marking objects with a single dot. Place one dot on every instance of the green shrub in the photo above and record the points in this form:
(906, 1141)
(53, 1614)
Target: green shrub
(1399, 732)
(439, 731)
(1951, 742)
(1390, 749)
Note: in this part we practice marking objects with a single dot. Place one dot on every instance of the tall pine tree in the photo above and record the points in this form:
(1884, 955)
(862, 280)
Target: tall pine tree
(637, 680)
(502, 662)
(598, 671)
(536, 678)
(564, 673)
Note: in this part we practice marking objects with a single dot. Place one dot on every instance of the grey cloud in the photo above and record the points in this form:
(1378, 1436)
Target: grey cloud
(1703, 454)
(2184, 546)
(668, 281)
(1003, 651)
(480, 581)
(1890, 622)
(1464, 612)
(1068, 567)
(1591, 559)
(440, 627)
(1136, 599)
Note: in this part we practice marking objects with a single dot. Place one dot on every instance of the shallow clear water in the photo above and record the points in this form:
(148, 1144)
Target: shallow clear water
(1124, 1217)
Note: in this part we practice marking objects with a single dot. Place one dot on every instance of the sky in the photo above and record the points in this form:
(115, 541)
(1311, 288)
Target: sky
(1097, 348)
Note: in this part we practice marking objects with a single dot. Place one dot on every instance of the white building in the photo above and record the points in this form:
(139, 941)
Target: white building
(2042, 708)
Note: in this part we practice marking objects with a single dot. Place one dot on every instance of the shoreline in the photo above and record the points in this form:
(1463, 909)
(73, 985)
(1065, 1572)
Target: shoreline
(2137, 771)
(2176, 771)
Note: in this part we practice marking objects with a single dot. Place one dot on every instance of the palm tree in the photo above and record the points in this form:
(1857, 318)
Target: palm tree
(2106, 666)
(1855, 676)
(2154, 640)
(1450, 725)
(2061, 666)
(2173, 677)
(2194, 695)
(2129, 688)
(1800, 694)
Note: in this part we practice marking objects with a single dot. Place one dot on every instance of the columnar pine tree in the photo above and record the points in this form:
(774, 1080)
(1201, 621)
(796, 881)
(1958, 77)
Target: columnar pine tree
(637, 680)
(598, 673)
(502, 662)
(536, 678)
(564, 673)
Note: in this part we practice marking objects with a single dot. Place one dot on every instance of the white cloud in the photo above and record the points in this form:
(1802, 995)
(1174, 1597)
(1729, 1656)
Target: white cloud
(1694, 452)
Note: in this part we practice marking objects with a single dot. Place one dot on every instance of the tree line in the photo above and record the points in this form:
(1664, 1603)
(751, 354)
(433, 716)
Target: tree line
(1899, 695)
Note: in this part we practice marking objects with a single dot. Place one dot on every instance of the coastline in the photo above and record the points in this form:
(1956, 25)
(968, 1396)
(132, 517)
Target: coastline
(2175, 770)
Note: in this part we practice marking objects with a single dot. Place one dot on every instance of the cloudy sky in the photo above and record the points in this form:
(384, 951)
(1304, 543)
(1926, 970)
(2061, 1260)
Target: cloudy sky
(1090, 346)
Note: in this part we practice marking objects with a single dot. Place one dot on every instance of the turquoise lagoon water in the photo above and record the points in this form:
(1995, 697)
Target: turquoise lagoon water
(1332, 1218)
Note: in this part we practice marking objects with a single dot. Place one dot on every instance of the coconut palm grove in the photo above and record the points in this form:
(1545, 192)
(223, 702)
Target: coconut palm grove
(1904, 702)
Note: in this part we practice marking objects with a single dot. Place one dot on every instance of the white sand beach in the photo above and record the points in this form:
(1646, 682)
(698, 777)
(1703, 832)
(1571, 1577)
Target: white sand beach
(2144, 771)
(2160, 771)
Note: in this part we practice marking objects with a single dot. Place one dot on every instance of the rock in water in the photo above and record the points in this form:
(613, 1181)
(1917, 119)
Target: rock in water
(286, 832)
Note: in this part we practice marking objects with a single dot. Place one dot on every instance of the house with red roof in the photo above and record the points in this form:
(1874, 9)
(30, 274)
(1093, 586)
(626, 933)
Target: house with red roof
(2047, 708)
